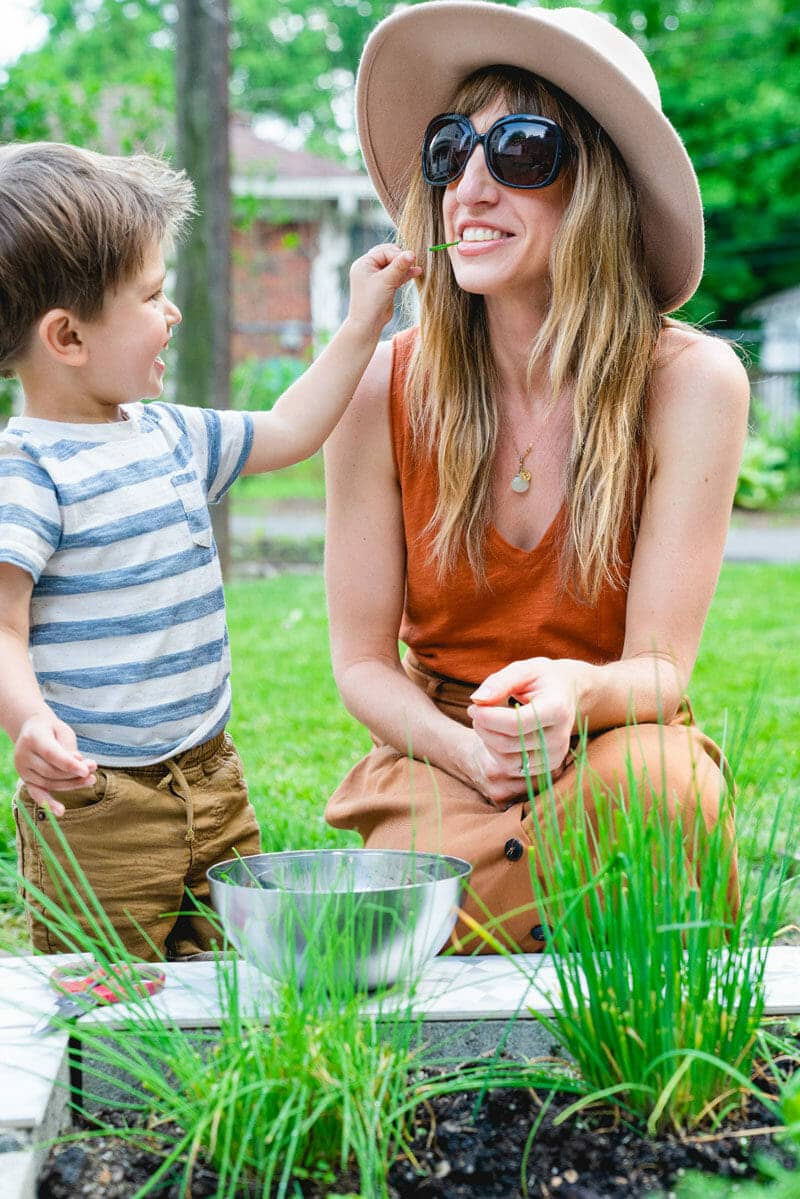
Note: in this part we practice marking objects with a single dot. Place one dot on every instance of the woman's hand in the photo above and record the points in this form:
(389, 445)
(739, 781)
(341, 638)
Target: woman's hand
(543, 720)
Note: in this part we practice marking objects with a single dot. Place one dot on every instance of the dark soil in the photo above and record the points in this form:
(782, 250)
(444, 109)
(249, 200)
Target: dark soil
(458, 1153)
(589, 1157)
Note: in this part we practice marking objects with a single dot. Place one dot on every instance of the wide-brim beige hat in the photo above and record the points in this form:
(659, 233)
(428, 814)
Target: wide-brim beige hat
(415, 60)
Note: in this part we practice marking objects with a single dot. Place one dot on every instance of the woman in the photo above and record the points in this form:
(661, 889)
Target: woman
(532, 489)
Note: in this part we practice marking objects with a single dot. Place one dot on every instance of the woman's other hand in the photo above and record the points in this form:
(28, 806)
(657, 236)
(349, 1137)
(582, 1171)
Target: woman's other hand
(543, 718)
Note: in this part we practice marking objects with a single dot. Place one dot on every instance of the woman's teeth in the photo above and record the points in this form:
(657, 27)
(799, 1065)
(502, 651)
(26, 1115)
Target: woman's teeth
(479, 233)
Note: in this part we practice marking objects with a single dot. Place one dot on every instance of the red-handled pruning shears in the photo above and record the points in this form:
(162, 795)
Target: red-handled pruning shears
(85, 986)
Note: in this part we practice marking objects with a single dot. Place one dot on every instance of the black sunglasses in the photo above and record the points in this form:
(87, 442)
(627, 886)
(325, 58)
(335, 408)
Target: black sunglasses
(521, 150)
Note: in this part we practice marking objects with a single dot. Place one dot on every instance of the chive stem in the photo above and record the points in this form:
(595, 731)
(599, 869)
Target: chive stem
(444, 245)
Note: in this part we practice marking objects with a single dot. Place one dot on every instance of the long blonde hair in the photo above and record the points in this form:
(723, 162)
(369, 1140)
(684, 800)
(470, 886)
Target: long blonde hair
(599, 338)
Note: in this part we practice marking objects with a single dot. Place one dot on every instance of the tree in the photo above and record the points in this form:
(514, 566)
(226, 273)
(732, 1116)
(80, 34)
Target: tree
(729, 82)
(203, 291)
(104, 73)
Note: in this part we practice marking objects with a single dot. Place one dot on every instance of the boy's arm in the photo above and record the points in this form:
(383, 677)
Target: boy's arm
(309, 410)
(46, 753)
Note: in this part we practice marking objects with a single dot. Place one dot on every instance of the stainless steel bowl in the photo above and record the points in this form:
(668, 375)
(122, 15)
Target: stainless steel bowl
(367, 915)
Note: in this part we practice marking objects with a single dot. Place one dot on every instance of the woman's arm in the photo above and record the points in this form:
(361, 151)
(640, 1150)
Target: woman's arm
(365, 579)
(697, 422)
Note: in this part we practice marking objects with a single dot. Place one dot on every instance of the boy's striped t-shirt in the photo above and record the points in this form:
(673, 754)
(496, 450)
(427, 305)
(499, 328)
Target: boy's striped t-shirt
(128, 637)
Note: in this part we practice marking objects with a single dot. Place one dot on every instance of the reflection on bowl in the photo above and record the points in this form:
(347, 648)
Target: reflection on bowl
(371, 915)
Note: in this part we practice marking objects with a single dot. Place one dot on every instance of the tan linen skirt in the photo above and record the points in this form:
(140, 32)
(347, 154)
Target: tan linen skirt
(398, 802)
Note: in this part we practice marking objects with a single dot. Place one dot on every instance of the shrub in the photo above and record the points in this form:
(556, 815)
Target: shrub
(257, 383)
(762, 476)
(9, 398)
(789, 441)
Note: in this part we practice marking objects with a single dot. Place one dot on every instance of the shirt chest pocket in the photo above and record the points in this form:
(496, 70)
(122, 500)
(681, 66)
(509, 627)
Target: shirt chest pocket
(191, 497)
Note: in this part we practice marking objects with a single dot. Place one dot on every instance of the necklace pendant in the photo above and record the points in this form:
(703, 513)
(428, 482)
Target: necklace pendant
(521, 481)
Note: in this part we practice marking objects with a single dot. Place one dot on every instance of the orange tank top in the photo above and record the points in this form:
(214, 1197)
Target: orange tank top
(466, 631)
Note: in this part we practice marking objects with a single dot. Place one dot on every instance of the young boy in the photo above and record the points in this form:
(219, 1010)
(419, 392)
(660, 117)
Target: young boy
(115, 684)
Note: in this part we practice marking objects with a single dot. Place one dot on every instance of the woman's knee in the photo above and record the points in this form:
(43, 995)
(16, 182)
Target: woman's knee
(657, 762)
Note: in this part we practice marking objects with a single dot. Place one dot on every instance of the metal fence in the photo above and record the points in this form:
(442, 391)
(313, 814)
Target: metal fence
(776, 398)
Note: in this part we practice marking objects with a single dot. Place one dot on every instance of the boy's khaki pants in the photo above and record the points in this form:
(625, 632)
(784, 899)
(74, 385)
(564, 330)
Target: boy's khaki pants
(144, 836)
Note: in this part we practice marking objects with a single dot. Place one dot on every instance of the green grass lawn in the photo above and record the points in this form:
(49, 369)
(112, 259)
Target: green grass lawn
(297, 741)
(303, 481)
(747, 679)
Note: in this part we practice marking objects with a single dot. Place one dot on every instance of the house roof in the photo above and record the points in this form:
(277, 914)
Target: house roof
(252, 155)
(265, 170)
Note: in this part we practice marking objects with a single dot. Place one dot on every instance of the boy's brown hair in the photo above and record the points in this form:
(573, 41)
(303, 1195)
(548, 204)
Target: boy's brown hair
(75, 224)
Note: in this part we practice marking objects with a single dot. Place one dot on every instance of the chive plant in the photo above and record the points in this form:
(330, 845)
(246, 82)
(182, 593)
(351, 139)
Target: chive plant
(659, 975)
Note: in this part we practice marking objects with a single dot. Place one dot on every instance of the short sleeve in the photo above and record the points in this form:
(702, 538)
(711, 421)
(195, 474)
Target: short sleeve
(221, 442)
(30, 520)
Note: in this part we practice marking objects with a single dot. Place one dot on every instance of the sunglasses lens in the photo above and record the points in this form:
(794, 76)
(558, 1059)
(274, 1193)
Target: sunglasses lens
(524, 152)
(445, 150)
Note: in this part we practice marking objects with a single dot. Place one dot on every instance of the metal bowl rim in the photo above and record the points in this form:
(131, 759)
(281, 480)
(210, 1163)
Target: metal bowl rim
(462, 868)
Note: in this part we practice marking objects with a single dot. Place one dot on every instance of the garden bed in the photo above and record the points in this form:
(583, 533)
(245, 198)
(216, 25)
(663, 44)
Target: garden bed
(461, 1153)
(461, 1146)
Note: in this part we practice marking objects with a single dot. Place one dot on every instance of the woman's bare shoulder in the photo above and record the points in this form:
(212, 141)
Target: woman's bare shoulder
(368, 411)
(376, 380)
(682, 350)
(361, 441)
(693, 368)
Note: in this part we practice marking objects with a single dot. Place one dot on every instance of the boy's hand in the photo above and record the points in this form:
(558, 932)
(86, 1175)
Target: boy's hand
(47, 759)
(374, 278)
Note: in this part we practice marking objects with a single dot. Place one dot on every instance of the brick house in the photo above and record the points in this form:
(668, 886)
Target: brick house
(299, 222)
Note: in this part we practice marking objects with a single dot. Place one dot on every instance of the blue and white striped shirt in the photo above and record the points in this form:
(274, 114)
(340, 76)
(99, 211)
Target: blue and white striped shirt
(128, 636)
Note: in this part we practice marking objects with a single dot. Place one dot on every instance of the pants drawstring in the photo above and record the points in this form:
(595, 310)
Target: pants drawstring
(176, 781)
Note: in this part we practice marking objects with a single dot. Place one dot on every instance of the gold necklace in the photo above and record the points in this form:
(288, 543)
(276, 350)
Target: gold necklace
(522, 479)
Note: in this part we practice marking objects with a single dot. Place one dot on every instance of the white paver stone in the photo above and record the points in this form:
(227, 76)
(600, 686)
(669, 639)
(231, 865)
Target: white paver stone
(20, 1172)
(33, 1081)
(782, 981)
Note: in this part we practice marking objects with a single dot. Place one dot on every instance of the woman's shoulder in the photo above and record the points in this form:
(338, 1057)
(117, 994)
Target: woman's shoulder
(683, 351)
(695, 370)
(698, 400)
(390, 357)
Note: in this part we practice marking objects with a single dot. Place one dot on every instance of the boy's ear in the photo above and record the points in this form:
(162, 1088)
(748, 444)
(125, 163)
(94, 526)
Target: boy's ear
(59, 333)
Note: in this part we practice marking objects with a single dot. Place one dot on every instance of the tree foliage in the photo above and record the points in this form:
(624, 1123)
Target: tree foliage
(728, 75)
(730, 83)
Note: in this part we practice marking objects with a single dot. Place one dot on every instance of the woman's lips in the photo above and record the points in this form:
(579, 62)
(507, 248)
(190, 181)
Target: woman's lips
(472, 249)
